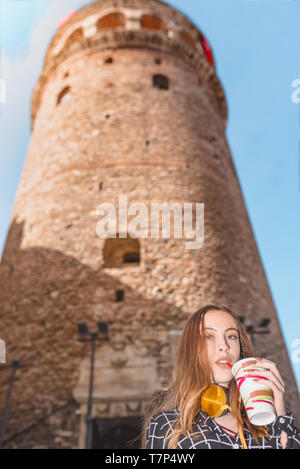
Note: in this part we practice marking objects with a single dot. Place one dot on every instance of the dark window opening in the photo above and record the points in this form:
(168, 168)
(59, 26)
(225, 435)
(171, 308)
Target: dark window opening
(153, 22)
(121, 252)
(64, 95)
(129, 257)
(109, 60)
(110, 21)
(161, 82)
(186, 37)
(158, 61)
(64, 424)
(119, 295)
(117, 433)
(75, 36)
(100, 186)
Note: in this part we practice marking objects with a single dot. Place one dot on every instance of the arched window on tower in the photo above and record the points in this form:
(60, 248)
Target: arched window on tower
(75, 36)
(153, 22)
(161, 82)
(110, 21)
(121, 252)
(186, 37)
(64, 95)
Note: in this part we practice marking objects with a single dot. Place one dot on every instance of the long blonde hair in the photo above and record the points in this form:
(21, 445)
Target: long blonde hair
(191, 375)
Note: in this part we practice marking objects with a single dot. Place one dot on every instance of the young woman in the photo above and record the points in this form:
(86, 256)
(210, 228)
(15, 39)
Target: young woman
(211, 342)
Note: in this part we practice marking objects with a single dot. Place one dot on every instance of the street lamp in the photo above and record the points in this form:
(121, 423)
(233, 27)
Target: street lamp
(101, 335)
(16, 364)
(253, 329)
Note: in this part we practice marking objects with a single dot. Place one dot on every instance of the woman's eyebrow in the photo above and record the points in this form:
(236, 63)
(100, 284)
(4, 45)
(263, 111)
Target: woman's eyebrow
(228, 329)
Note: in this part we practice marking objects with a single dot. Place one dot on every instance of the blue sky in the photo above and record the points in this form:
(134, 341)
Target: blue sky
(256, 48)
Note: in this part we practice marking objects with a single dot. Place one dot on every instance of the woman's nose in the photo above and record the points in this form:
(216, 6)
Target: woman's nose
(222, 345)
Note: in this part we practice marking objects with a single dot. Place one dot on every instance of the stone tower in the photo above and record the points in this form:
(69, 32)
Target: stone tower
(128, 103)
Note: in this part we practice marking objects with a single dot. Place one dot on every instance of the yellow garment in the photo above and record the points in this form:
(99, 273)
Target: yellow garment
(213, 402)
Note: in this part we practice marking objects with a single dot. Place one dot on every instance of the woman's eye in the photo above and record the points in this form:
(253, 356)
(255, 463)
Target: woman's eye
(233, 337)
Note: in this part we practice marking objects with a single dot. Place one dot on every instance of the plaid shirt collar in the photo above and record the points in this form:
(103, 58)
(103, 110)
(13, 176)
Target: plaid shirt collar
(205, 420)
(208, 421)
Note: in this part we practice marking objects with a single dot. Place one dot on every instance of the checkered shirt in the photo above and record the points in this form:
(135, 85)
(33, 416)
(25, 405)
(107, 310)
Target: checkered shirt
(212, 436)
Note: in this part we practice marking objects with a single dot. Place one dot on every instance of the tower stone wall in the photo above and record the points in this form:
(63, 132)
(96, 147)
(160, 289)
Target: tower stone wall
(100, 129)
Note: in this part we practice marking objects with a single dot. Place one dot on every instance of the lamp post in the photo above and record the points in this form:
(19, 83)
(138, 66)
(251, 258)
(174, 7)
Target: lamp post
(101, 335)
(14, 365)
(253, 329)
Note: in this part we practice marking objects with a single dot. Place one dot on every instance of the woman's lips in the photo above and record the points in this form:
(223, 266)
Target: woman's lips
(224, 365)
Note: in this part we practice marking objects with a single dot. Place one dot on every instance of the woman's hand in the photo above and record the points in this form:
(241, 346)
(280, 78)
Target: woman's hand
(274, 381)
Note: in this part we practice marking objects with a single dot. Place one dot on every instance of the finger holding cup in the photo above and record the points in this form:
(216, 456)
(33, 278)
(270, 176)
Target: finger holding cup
(269, 365)
(270, 376)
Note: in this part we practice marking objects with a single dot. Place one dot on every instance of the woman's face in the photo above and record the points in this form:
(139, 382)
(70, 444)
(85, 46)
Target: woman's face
(223, 345)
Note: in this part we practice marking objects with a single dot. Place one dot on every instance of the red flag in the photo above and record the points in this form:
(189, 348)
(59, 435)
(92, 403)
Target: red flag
(66, 18)
(207, 49)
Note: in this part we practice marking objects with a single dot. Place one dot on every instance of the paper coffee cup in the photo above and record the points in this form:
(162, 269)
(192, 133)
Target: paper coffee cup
(257, 398)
